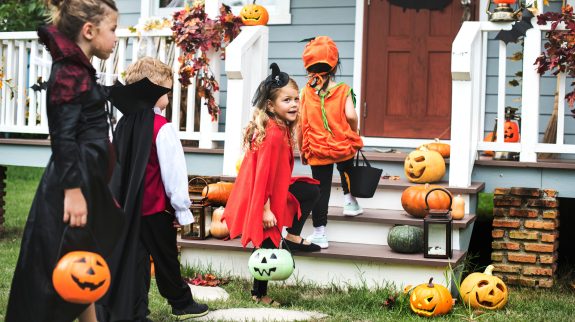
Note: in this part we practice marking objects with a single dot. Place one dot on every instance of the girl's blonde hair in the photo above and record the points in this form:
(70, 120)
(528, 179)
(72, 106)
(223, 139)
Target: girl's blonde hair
(152, 68)
(70, 15)
(255, 132)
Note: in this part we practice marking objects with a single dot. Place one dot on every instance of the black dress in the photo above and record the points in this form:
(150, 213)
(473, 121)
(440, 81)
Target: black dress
(81, 155)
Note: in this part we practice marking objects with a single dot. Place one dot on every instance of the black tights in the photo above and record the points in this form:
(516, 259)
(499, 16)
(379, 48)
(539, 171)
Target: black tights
(324, 174)
(307, 195)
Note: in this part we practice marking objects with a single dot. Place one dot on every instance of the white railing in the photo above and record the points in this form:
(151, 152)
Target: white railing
(24, 60)
(246, 67)
(468, 69)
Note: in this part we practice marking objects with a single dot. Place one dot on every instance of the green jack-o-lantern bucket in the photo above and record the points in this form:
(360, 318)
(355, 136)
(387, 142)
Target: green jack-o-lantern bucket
(271, 264)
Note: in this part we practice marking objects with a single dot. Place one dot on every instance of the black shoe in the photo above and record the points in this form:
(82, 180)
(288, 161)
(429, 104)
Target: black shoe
(193, 310)
(301, 246)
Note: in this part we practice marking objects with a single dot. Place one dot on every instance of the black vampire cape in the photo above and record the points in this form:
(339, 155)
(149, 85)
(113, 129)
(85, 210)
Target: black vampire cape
(129, 264)
(81, 151)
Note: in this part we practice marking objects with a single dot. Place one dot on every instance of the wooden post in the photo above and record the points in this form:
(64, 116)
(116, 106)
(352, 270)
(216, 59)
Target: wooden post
(3, 172)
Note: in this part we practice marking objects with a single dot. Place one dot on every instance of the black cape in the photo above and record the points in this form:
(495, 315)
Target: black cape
(127, 298)
(81, 152)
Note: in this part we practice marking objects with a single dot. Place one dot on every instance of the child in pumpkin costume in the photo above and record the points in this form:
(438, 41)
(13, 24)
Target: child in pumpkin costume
(265, 197)
(327, 134)
(150, 177)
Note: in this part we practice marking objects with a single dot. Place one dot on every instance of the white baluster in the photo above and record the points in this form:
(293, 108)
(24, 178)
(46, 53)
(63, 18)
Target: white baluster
(176, 91)
(43, 102)
(3, 91)
(9, 76)
(33, 79)
(530, 97)
(501, 86)
(561, 111)
(22, 82)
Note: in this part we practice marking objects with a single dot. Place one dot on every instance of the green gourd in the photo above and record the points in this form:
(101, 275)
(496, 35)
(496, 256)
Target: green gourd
(405, 239)
(274, 264)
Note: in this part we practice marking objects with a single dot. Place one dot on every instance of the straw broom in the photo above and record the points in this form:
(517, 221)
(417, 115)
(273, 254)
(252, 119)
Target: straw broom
(550, 135)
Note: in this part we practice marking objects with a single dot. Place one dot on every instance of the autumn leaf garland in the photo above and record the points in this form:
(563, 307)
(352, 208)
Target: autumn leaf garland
(195, 33)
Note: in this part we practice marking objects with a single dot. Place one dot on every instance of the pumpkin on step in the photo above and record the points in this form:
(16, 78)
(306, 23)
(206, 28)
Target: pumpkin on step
(424, 166)
(443, 148)
(218, 228)
(81, 277)
(430, 299)
(218, 193)
(254, 15)
(413, 199)
(484, 291)
(405, 239)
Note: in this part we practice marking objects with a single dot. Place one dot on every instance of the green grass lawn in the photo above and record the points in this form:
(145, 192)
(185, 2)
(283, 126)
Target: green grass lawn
(356, 304)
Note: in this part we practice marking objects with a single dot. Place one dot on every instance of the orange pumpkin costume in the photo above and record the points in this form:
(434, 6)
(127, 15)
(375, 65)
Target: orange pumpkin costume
(327, 136)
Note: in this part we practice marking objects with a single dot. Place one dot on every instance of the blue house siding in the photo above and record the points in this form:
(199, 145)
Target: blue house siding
(129, 12)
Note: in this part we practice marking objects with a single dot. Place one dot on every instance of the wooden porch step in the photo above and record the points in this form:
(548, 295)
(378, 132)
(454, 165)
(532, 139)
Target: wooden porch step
(401, 184)
(393, 217)
(345, 251)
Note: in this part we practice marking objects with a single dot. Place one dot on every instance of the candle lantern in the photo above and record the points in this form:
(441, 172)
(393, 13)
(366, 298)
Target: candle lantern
(437, 230)
(503, 11)
(202, 212)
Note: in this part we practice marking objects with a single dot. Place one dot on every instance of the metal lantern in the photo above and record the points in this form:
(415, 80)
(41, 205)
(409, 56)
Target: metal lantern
(437, 230)
(503, 11)
(202, 212)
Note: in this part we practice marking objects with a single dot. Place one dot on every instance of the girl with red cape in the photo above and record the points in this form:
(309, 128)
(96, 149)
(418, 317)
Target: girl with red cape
(265, 197)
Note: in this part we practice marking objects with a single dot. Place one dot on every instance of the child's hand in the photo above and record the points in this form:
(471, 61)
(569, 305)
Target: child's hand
(269, 219)
(176, 224)
(303, 160)
(75, 208)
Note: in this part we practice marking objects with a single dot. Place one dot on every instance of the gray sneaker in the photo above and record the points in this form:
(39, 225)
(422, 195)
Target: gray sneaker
(321, 241)
(352, 209)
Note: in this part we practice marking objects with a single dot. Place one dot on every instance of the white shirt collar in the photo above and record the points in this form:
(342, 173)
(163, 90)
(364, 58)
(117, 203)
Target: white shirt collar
(157, 110)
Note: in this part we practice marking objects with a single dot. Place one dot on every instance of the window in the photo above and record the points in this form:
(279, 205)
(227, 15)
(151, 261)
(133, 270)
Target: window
(279, 10)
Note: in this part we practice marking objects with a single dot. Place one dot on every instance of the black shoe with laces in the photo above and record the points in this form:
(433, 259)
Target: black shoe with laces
(193, 310)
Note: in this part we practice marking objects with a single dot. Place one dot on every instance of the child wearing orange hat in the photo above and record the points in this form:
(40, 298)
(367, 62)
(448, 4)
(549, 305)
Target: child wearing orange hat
(327, 134)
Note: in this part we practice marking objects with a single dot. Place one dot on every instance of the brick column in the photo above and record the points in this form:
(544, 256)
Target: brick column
(3, 171)
(525, 236)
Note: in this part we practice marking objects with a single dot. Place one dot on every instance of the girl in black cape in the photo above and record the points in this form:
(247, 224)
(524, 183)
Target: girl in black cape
(73, 190)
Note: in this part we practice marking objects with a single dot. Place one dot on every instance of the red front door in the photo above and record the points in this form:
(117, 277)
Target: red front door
(407, 70)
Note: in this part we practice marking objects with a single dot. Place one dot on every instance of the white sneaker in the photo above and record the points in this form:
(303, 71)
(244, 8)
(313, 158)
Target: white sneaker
(321, 241)
(352, 209)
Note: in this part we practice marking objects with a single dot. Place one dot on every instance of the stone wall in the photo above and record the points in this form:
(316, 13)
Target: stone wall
(525, 236)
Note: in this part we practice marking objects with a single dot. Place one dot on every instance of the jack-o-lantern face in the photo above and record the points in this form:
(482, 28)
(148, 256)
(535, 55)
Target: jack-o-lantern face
(271, 264)
(511, 133)
(484, 291)
(424, 166)
(430, 299)
(254, 15)
(81, 277)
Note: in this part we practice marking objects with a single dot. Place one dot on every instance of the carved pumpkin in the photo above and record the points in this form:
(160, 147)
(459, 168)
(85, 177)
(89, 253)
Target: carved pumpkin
(443, 148)
(218, 228)
(218, 193)
(424, 166)
(430, 299)
(484, 291)
(254, 15)
(511, 132)
(81, 277)
(271, 264)
(413, 199)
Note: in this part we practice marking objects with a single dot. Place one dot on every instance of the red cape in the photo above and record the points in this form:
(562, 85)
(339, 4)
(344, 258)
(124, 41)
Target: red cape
(264, 173)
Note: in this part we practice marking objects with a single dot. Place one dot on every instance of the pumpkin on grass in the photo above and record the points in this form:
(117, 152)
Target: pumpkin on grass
(484, 291)
(405, 239)
(254, 15)
(443, 148)
(430, 299)
(81, 277)
(218, 193)
(413, 199)
(424, 166)
(218, 228)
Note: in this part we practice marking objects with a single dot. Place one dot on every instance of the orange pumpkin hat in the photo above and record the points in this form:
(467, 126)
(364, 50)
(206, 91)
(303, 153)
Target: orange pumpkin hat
(321, 49)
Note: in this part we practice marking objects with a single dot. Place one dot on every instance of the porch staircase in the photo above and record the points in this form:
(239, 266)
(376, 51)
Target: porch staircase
(358, 254)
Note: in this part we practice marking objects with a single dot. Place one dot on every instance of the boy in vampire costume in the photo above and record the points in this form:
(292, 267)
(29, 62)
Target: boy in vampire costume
(150, 176)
